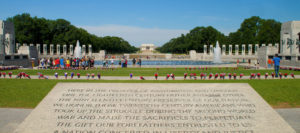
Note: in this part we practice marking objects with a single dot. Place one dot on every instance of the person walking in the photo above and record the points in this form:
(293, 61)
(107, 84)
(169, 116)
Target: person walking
(276, 60)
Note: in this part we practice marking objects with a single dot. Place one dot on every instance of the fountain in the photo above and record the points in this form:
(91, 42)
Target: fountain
(77, 51)
(217, 54)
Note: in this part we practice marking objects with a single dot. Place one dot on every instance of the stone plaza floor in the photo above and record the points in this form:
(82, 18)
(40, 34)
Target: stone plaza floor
(12, 117)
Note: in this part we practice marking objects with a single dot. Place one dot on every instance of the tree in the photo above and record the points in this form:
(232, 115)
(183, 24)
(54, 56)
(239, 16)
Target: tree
(40, 30)
(255, 30)
(194, 40)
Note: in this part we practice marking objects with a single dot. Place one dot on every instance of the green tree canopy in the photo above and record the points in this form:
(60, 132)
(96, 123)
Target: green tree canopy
(253, 30)
(40, 30)
(194, 40)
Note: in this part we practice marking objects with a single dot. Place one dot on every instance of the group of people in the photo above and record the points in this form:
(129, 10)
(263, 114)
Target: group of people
(202, 76)
(69, 63)
(137, 61)
(19, 75)
(221, 76)
(123, 63)
(72, 74)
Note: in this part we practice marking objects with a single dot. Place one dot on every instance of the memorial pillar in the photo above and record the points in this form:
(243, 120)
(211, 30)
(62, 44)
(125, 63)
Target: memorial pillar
(58, 49)
(38, 48)
(236, 49)
(230, 50)
(83, 50)
(243, 49)
(45, 49)
(90, 50)
(205, 49)
(2, 45)
(223, 49)
(71, 49)
(256, 48)
(270, 45)
(17, 46)
(249, 49)
(64, 49)
(51, 49)
(283, 44)
(211, 49)
(276, 45)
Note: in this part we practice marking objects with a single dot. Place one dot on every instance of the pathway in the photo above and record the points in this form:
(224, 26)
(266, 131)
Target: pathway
(83, 77)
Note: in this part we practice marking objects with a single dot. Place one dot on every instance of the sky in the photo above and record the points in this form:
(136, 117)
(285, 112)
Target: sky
(152, 21)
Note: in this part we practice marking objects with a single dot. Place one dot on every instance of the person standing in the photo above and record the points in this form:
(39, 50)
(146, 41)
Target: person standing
(276, 60)
(140, 62)
(112, 63)
(68, 63)
(62, 63)
(133, 61)
(269, 63)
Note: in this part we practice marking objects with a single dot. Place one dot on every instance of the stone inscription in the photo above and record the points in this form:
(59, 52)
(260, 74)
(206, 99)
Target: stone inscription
(153, 109)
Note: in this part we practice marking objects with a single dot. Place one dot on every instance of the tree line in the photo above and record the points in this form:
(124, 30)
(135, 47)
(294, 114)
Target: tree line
(253, 30)
(44, 31)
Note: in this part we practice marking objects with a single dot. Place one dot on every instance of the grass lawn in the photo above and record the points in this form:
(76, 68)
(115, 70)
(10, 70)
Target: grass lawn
(151, 71)
(23, 93)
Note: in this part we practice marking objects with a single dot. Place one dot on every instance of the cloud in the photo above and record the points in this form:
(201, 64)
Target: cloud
(136, 35)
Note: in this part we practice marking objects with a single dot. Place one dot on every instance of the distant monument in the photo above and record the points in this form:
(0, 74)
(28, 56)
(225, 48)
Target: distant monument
(147, 48)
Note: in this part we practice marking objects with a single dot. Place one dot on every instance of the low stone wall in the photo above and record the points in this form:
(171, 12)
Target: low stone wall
(225, 58)
(16, 60)
(290, 63)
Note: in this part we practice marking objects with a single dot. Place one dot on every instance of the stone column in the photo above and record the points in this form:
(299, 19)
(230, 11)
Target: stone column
(211, 49)
(38, 48)
(276, 45)
(58, 49)
(9, 43)
(249, 49)
(256, 49)
(90, 50)
(193, 54)
(18, 46)
(64, 49)
(243, 49)
(223, 49)
(2, 45)
(263, 45)
(51, 49)
(83, 50)
(284, 43)
(45, 49)
(230, 50)
(31, 44)
(270, 45)
(236, 49)
(71, 49)
(205, 49)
